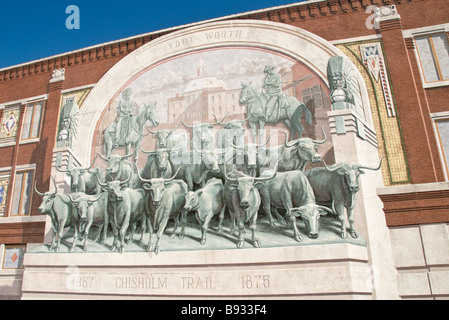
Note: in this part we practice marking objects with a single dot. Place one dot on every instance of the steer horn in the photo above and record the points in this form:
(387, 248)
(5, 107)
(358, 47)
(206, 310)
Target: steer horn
(213, 123)
(187, 126)
(174, 176)
(226, 175)
(173, 130)
(129, 155)
(331, 170)
(126, 181)
(35, 189)
(223, 123)
(156, 132)
(326, 209)
(140, 178)
(91, 165)
(71, 199)
(138, 132)
(264, 144)
(60, 170)
(148, 152)
(99, 182)
(374, 169)
(258, 146)
(103, 157)
(273, 175)
(322, 141)
(288, 146)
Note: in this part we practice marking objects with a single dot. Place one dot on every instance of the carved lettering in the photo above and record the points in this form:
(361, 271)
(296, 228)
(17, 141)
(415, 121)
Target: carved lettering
(258, 281)
(218, 35)
(80, 282)
(181, 43)
(141, 282)
(197, 283)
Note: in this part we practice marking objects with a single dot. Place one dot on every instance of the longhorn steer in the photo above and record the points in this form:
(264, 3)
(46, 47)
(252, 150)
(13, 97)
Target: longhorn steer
(250, 152)
(158, 164)
(83, 180)
(118, 169)
(233, 132)
(199, 164)
(202, 135)
(58, 207)
(292, 191)
(125, 207)
(165, 199)
(337, 186)
(243, 201)
(168, 139)
(90, 210)
(207, 202)
(294, 154)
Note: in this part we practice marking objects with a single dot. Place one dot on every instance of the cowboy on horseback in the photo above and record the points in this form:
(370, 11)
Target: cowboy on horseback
(125, 112)
(273, 89)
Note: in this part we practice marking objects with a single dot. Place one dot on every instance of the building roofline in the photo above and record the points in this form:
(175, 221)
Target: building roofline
(162, 31)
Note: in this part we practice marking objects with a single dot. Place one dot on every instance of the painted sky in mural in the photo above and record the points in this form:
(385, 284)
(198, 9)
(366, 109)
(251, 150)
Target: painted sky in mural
(230, 67)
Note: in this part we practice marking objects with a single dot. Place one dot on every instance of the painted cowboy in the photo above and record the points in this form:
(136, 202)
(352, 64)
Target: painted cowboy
(273, 88)
(125, 112)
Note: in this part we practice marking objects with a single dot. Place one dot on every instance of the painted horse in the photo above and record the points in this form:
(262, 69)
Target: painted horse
(290, 111)
(131, 131)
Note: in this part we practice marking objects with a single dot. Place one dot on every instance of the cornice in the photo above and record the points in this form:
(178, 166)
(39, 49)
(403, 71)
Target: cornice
(415, 204)
(295, 12)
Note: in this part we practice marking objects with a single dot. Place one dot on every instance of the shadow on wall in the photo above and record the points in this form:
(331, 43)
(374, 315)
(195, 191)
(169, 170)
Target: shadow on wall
(12, 292)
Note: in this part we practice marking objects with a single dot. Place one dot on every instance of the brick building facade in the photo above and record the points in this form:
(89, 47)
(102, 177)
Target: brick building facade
(408, 89)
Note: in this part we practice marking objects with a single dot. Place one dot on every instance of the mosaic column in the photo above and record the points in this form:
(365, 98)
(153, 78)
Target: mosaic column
(423, 163)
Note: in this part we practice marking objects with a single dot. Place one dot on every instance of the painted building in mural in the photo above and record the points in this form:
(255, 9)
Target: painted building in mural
(333, 112)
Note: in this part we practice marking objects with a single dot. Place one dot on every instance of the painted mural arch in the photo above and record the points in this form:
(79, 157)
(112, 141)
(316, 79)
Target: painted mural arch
(202, 75)
(293, 44)
(206, 85)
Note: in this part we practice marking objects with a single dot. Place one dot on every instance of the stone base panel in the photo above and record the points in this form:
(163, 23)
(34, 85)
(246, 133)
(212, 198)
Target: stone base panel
(339, 271)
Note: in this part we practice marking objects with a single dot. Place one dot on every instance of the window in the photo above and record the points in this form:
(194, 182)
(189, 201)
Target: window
(4, 183)
(441, 127)
(433, 51)
(21, 200)
(13, 257)
(32, 120)
(317, 95)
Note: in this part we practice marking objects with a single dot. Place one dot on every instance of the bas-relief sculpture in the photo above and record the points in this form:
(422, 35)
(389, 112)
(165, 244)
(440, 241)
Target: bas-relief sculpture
(344, 86)
(68, 121)
(193, 172)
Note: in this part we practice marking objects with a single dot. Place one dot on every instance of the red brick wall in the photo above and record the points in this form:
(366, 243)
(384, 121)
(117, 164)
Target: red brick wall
(416, 208)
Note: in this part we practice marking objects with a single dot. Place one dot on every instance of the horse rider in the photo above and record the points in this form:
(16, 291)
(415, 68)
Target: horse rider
(125, 110)
(273, 88)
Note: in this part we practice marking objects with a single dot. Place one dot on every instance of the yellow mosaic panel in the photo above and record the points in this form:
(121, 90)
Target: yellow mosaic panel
(387, 128)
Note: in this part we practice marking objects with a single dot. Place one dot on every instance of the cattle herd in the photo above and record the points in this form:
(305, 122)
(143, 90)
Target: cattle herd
(218, 175)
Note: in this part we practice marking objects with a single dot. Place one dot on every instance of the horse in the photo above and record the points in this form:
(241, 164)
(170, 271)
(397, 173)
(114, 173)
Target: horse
(130, 136)
(290, 112)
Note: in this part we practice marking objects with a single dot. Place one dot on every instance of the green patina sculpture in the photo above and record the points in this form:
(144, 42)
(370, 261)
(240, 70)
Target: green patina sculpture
(68, 120)
(344, 86)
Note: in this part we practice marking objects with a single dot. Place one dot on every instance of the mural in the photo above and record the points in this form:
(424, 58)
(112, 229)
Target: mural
(238, 135)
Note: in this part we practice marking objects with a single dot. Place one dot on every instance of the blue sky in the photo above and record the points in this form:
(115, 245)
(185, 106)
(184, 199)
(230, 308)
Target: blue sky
(33, 30)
